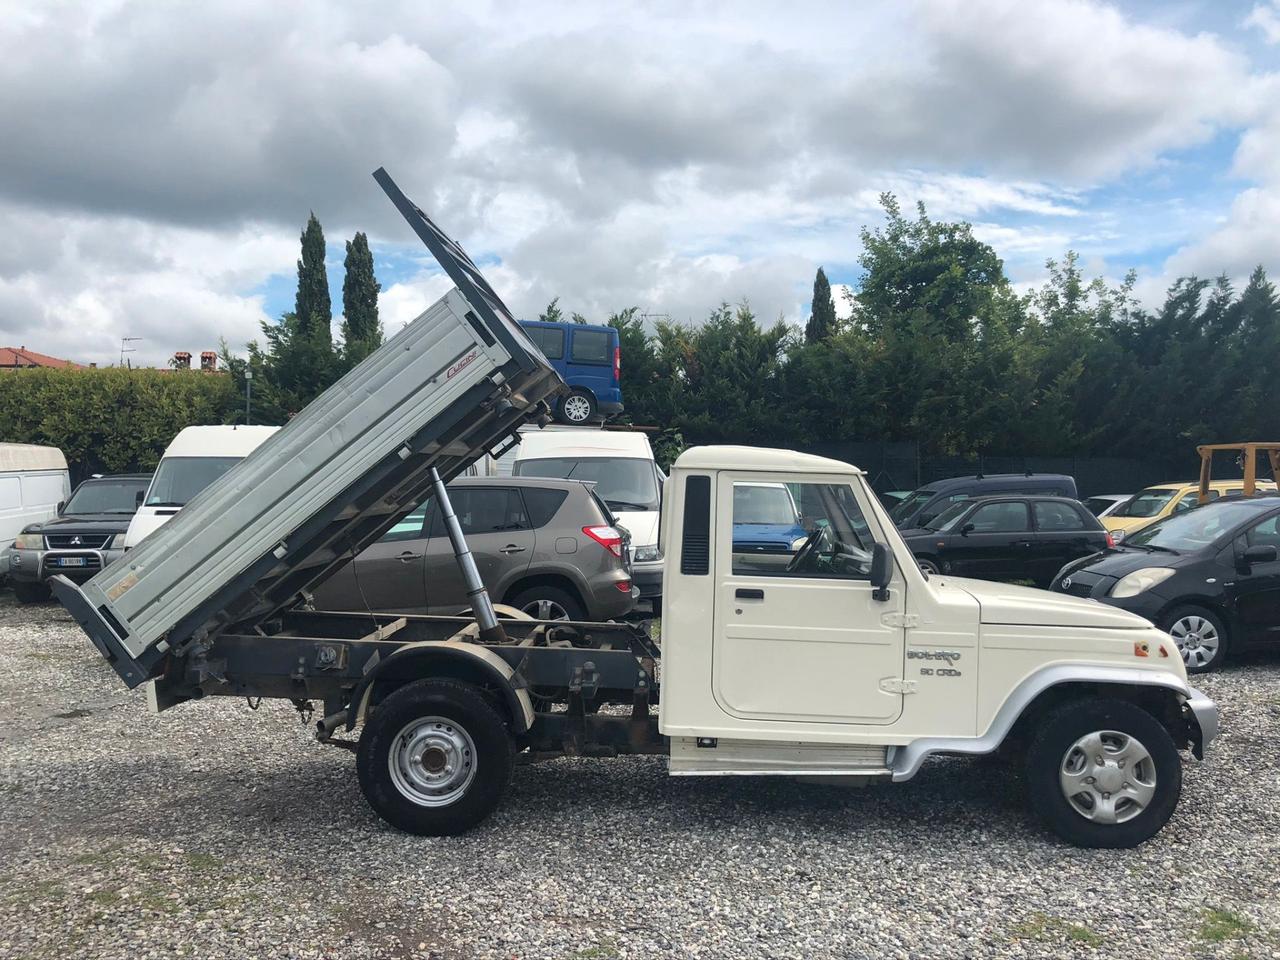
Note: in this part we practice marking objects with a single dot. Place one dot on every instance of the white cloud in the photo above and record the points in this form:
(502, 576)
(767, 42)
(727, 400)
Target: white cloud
(1266, 17)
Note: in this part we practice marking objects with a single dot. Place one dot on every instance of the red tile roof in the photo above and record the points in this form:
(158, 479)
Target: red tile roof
(11, 357)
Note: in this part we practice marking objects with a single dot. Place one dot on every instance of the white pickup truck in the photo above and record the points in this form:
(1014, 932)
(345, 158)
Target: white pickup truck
(842, 659)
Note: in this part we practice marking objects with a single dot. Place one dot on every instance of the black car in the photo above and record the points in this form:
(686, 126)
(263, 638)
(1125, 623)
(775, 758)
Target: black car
(1007, 538)
(86, 535)
(1210, 577)
(922, 505)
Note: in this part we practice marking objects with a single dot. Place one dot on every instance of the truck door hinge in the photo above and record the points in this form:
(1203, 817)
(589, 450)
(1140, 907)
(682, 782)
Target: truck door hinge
(905, 620)
(897, 685)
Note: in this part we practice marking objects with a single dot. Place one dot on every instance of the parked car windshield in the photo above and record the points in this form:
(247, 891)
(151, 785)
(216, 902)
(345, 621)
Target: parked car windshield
(1194, 529)
(1147, 503)
(910, 504)
(1097, 504)
(622, 483)
(948, 517)
(106, 496)
(760, 504)
(178, 479)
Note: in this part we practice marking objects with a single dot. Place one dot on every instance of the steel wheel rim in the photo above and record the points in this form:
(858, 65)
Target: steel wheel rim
(577, 408)
(1108, 777)
(928, 566)
(545, 610)
(432, 761)
(1197, 639)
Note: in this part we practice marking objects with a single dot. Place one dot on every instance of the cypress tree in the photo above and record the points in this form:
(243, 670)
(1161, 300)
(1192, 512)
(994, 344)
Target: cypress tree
(822, 321)
(312, 306)
(361, 331)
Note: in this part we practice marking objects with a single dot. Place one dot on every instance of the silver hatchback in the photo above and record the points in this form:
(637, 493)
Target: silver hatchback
(547, 547)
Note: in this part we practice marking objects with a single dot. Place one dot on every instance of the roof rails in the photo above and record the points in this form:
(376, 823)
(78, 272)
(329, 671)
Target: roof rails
(1247, 458)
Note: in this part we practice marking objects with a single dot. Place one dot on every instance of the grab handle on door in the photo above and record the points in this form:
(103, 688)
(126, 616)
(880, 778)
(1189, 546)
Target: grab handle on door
(511, 548)
(745, 593)
(409, 555)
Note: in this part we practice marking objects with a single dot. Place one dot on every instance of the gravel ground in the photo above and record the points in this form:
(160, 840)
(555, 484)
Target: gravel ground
(211, 831)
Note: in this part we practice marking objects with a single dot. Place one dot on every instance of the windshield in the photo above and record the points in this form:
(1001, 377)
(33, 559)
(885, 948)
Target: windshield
(1146, 503)
(623, 484)
(948, 518)
(759, 504)
(106, 496)
(1193, 529)
(910, 504)
(1098, 504)
(178, 479)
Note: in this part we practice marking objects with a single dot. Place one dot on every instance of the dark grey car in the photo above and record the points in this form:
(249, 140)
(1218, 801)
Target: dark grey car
(547, 547)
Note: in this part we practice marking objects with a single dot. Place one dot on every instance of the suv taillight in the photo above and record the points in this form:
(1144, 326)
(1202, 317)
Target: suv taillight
(617, 364)
(608, 537)
(1111, 541)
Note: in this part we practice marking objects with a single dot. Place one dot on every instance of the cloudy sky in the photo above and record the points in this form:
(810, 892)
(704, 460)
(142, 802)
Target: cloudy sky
(158, 160)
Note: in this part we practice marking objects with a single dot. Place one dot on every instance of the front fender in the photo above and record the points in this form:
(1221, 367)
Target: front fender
(1204, 713)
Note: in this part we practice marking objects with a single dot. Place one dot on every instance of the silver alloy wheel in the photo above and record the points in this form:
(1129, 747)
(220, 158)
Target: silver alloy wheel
(1108, 777)
(577, 409)
(432, 761)
(545, 610)
(1197, 639)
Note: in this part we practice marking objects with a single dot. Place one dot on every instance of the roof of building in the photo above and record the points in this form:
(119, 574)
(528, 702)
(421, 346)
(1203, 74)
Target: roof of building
(22, 357)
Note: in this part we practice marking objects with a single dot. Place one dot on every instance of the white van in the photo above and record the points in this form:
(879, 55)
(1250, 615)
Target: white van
(627, 479)
(195, 458)
(33, 482)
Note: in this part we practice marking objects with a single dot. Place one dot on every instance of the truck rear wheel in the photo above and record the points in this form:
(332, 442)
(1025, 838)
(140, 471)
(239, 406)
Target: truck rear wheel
(1103, 773)
(435, 758)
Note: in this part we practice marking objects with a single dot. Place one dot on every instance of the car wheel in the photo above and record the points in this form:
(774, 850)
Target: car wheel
(929, 567)
(549, 603)
(434, 758)
(1201, 637)
(31, 592)
(1103, 773)
(578, 407)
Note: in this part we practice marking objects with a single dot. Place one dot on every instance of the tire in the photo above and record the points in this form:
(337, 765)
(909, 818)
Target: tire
(577, 408)
(929, 566)
(1201, 637)
(549, 603)
(1060, 758)
(463, 733)
(31, 592)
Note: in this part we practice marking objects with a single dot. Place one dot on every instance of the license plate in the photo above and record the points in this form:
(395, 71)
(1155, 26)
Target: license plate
(71, 562)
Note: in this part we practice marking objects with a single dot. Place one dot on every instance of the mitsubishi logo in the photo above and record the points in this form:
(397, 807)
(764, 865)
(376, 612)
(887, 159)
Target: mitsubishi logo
(76, 541)
(1066, 583)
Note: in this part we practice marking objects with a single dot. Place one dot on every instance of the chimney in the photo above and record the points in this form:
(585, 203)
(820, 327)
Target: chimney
(208, 361)
(182, 360)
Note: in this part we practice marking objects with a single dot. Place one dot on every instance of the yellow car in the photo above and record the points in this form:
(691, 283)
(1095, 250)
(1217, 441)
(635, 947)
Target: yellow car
(1164, 500)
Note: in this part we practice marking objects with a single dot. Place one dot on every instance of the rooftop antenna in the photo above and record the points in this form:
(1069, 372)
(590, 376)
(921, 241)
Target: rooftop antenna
(125, 348)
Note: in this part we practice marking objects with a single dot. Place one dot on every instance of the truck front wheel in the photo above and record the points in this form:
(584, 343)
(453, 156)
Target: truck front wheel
(1103, 773)
(434, 758)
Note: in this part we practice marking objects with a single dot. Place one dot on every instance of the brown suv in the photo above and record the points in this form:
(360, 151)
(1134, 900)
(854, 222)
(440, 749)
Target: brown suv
(548, 547)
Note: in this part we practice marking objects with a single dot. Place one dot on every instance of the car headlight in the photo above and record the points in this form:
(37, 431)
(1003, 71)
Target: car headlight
(1135, 583)
(117, 542)
(29, 541)
(647, 554)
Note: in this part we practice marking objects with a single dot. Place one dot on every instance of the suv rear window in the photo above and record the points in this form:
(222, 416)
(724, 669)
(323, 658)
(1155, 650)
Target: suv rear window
(542, 504)
(590, 346)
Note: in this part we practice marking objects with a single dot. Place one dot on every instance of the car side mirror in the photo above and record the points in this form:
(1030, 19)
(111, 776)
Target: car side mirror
(967, 529)
(881, 571)
(62, 505)
(139, 497)
(1261, 553)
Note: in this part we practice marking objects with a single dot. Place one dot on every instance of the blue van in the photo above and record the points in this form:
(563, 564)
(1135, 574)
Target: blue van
(590, 361)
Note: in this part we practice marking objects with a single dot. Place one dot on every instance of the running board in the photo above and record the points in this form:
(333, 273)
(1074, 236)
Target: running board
(709, 756)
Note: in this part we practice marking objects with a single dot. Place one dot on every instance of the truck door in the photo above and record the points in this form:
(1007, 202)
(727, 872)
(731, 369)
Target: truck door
(803, 640)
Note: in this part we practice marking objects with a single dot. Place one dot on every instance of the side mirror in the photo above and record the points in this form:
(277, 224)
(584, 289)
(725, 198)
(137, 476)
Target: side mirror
(62, 505)
(1262, 553)
(967, 529)
(881, 571)
(139, 497)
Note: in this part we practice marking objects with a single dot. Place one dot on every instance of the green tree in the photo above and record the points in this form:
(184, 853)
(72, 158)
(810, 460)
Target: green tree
(361, 329)
(312, 307)
(553, 313)
(822, 319)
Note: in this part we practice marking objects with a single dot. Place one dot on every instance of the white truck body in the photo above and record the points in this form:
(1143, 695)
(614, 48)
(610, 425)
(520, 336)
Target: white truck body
(33, 481)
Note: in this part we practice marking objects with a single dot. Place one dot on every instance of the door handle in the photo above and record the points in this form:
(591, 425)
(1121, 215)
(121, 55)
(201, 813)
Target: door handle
(1023, 543)
(409, 555)
(743, 593)
(511, 548)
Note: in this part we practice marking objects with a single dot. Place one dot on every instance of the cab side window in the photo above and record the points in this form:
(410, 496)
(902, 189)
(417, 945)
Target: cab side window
(1052, 516)
(810, 530)
(484, 510)
(1000, 518)
(407, 528)
(1264, 534)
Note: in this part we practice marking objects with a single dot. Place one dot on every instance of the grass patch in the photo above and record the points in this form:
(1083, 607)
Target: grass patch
(105, 898)
(1040, 926)
(1219, 925)
(98, 858)
(1082, 934)
(604, 951)
(1033, 928)
(203, 861)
